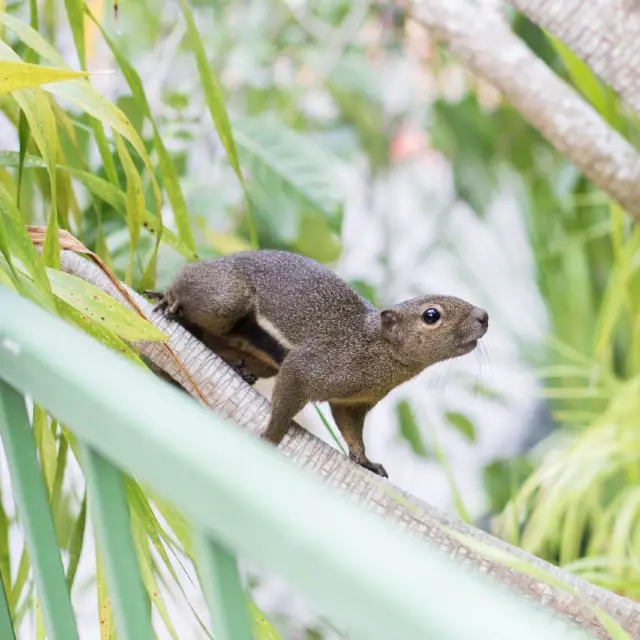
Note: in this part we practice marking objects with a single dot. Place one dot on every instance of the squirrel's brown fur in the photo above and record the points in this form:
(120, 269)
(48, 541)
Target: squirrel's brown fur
(272, 312)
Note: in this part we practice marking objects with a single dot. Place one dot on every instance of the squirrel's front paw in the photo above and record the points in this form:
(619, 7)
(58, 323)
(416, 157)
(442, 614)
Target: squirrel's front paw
(363, 461)
(167, 304)
(248, 377)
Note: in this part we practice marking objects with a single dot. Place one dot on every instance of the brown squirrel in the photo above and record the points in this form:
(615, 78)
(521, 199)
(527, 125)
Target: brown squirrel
(269, 312)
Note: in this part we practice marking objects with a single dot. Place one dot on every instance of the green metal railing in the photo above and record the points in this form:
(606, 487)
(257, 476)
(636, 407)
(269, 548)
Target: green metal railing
(238, 493)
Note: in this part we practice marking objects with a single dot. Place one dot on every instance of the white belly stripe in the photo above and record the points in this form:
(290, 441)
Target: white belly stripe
(269, 327)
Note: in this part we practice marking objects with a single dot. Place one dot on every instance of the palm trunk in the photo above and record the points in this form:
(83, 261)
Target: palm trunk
(604, 33)
(485, 43)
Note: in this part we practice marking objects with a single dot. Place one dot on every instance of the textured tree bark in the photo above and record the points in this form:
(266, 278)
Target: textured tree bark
(604, 33)
(227, 394)
(486, 44)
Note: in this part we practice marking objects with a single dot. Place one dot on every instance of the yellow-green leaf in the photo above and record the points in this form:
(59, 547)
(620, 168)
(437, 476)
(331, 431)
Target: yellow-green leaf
(102, 308)
(5, 278)
(76, 541)
(82, 94)
(22, 247)
(117, 199)
(105, 612)
(167, 168)
(37, 110)
(106, 191)
(22, 75)
(512, 562)
(32, 39)
(262, 628)
(98, 331)
(25, 285)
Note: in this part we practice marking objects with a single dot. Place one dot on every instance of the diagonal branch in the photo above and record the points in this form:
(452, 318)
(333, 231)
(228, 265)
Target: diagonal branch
(486, 44)
(604, 33)
(227, 394)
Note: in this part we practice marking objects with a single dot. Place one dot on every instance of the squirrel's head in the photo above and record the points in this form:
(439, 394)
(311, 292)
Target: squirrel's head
(430, 329)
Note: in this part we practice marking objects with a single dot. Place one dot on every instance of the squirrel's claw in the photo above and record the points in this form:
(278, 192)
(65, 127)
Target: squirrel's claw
(248, 377)
(378, 469)
(363, 461)
(167, 305)
(161, 305)
(174, 311)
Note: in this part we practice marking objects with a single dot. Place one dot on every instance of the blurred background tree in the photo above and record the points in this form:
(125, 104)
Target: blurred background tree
(340, 130)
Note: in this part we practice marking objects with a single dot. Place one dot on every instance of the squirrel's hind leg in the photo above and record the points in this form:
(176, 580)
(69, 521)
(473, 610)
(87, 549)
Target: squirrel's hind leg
(248, 362)
(350, 421)
(213, 300)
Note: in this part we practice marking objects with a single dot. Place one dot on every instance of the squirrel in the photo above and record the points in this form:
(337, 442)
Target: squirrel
(275, 313)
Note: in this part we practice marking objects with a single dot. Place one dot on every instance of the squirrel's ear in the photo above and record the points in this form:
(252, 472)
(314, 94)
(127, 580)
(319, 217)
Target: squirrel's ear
(390, 324)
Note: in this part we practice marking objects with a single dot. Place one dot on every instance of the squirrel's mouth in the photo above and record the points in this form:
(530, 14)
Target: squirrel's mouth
(467, 347)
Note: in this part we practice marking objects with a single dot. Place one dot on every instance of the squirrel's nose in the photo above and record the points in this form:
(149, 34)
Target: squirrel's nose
(481, 316)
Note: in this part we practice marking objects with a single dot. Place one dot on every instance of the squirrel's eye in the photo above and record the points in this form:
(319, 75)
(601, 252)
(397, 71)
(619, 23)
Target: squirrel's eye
(431, 315)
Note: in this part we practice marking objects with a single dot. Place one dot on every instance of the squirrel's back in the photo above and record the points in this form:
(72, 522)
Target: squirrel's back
(295, 297)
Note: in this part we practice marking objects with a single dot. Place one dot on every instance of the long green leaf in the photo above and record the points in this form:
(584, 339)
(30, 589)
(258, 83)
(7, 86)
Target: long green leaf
(46, 445)
(135, 206)
(215, 101)
(76, 542)
(306, 172)
(167, 168)
(262, 628)
(118, 200)
(5, 558)
(109, 193)
(61, 467)
(4, 236)
(24, 137)
(616, 294)
(409, 429)
(30, 36)
(82, 94)
(107, 627)
(158, 538)
(586, 81)
(22, 247)
(75, 10)
(76, 21)
(20, 582)
(147, 573)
